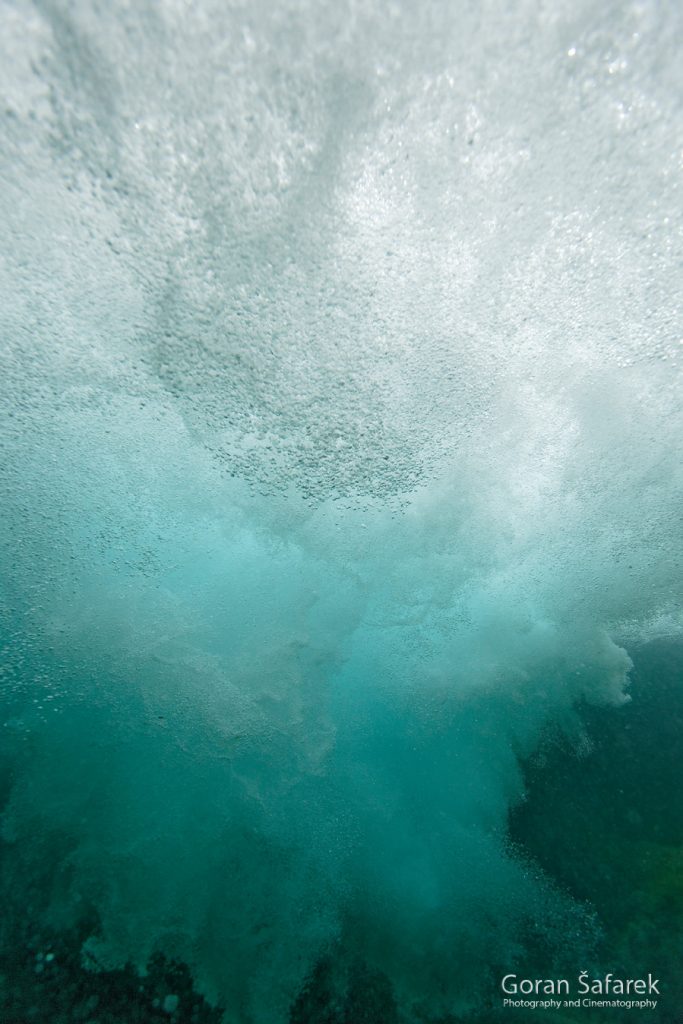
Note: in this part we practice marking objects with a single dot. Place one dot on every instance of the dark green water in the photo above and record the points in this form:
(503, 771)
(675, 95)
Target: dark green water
(603, 818)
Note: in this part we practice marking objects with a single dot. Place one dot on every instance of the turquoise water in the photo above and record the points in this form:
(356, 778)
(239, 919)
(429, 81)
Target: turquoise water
(341, 510)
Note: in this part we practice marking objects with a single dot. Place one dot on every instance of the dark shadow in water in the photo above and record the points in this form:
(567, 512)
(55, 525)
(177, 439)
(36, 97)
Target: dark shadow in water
(608, 827)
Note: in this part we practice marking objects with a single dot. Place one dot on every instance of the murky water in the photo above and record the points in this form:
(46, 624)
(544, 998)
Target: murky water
(341, 510)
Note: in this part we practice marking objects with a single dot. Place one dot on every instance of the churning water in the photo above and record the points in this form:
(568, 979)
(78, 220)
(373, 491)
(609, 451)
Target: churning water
(341, 508)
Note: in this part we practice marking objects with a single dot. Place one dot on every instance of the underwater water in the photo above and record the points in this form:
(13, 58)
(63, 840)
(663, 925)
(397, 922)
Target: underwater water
(340, 501)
